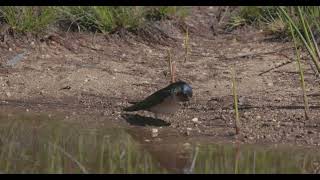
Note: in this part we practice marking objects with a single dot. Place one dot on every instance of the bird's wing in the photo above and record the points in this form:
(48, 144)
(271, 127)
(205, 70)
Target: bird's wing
(150, 101)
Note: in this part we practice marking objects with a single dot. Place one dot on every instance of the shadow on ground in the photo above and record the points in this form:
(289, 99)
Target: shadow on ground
(137, 120)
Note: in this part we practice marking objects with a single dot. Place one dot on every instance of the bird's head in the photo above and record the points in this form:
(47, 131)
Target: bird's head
(182, 90)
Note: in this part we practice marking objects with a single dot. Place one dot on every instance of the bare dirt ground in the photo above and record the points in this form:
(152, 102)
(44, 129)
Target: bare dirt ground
(93, 73)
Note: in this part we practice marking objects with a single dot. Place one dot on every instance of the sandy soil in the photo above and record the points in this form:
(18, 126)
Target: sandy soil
(93, 73)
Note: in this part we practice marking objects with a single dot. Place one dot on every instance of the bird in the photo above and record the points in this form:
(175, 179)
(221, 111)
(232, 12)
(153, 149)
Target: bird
(165, 100)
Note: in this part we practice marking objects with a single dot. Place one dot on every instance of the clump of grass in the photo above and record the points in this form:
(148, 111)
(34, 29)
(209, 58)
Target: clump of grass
(235, 101)
(303, 26)
(86, 18)
(164, 12)
(235, 22)
(79, 17)
(28, 19)
(103, 18)
(264, 17)
(109, 18)
(250, 14)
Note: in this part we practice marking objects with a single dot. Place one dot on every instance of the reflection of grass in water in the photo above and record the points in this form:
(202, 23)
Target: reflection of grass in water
(39, 145)
(221, 159)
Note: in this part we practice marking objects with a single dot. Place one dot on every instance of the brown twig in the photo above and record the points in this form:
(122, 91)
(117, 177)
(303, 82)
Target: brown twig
(223, 15)
(172, 67)
(260, 53)
(282, 64)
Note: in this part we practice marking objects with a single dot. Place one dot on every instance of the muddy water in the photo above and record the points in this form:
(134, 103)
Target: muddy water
(46, 143)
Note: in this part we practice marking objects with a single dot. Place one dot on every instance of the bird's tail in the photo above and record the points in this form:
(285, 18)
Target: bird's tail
(131, 108)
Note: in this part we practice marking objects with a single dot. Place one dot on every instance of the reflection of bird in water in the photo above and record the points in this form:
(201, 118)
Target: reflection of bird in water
(167, 151)
(166, 100)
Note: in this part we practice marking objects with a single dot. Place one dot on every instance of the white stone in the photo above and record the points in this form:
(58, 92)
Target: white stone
(195, 120)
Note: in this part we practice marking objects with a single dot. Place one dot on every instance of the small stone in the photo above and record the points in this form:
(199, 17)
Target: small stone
(310, 132)
(154, 130)
(32, 43)
(278, 99)
(42, 92)
(195, 120)
(258, 117)
(147, 140)
(10, 49)
(187, 133)
(187, 144)
(8, 94)
(113, 77)
(241, 101)
(27, 110)
(270, 84)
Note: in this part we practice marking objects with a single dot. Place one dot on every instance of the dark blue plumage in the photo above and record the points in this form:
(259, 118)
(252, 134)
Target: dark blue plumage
(165, 100)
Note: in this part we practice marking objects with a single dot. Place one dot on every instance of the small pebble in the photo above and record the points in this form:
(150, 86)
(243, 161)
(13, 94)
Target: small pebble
(195, 120)
(187, 133)
(154, 130)
(270, 84)
(187, 145)
(8, 94)
(278, 99)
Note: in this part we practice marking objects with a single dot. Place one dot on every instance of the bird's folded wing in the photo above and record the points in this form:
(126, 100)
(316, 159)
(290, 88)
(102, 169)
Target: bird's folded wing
(150, 101)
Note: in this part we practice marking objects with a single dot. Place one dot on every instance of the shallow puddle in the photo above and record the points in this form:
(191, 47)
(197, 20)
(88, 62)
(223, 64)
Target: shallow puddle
(42, 143)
